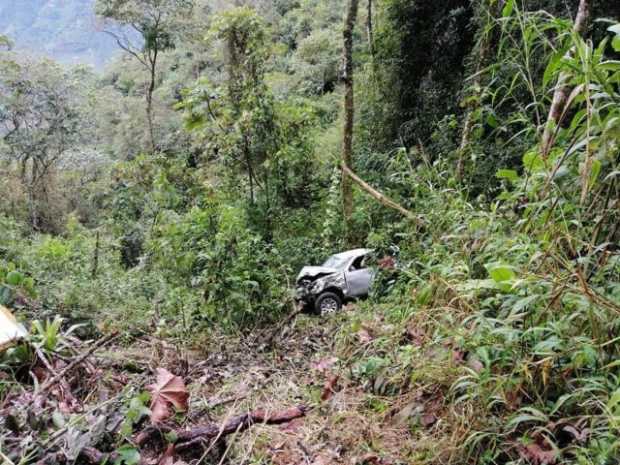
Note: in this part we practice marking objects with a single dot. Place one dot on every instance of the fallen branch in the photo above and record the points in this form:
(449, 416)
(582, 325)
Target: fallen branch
(7, 460)
(381, 198)
(60, 375)
(188, 438)
(64, 385)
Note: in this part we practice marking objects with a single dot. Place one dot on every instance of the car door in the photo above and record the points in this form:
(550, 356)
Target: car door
(358, 277)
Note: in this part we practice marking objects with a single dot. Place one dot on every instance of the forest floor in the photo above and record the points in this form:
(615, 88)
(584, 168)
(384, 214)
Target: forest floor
(306, 371)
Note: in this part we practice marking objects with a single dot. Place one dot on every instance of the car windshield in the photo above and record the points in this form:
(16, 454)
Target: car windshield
(336, 261)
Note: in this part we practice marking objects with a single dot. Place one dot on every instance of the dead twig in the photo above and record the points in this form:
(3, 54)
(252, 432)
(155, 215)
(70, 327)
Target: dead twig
(64, 385)
(60, 375)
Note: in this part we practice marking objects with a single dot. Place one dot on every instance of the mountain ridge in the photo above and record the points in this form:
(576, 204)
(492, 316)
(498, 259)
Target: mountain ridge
(65, 30)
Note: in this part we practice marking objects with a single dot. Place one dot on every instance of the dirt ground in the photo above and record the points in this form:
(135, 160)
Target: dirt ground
(91, 414)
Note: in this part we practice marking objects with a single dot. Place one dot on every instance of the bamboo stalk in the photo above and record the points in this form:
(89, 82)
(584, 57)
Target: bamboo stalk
(562, 90)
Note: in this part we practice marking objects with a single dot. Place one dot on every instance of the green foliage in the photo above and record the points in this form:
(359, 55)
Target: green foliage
(5, 42)
(38, 91)
(503, 299)
(127, 455)
(156, 20)
(14, 283)
(135, 412)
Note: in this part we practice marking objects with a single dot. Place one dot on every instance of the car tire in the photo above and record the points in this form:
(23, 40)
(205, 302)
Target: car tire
(328, 303)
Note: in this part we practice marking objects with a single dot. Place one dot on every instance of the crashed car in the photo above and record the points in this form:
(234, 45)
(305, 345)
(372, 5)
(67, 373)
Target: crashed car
(343, 277)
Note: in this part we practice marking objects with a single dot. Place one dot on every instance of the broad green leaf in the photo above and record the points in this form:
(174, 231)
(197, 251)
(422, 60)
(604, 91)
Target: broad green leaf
(127, 455)
(510, 175)
(552, 67)
(501, 273)
(533, 161)
(58, 419)
(14, 278)
(508, 8)
(528, 414)
(548, 346)
(492, 120)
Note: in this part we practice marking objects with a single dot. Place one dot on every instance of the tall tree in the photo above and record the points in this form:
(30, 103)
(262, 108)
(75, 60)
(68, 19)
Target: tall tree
(349, 113)
(562, 89)
(40, 123)
(238, 117)
(148, 28)
(370, 31)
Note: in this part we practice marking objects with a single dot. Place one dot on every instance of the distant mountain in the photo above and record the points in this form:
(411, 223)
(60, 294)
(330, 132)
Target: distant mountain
(65, 30)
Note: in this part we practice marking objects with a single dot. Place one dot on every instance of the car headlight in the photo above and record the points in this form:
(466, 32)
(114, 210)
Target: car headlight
(318, 286)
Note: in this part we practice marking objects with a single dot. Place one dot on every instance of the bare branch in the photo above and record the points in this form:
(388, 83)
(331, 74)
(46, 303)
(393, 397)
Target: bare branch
(127, 47)
(381, 198)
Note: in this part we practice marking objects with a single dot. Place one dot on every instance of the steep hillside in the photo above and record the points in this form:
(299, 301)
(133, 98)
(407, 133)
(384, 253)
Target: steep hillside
(65, 30)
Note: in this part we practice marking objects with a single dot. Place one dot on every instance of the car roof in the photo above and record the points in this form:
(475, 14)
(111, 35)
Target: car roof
(353, 253)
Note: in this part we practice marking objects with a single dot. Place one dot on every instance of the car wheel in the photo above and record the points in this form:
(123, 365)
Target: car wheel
(328, 303)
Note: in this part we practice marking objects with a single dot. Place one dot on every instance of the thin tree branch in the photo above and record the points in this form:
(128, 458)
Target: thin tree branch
(381, 198)
(126, 47)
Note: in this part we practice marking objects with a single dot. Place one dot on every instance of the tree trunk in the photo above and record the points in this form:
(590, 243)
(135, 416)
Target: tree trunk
(370, 32)
(468, 125)
(95, 257)
(149, 100)
(349, 113)
(248, 164)
(562, 90)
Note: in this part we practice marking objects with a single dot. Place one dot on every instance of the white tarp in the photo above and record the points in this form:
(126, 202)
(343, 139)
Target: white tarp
(10, 329)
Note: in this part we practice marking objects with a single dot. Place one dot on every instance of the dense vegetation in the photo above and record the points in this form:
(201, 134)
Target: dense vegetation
(178, 193)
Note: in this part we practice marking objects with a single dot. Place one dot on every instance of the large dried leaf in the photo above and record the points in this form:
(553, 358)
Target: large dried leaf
(169, 391)
(538, 454)
(168, 457)
(428, 420)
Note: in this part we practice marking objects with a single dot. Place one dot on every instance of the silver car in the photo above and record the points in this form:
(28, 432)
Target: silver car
(344, 276)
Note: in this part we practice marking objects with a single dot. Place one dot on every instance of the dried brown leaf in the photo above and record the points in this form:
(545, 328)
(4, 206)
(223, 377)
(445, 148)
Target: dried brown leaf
(168, 391)
(537, 454)
(428, 420)
(168, 457)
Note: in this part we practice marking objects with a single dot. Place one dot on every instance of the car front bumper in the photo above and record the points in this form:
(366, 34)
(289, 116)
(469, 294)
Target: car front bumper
(304, 296)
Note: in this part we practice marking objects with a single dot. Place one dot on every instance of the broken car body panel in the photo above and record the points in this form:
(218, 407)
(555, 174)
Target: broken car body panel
(315, 272)
(342, 273)
(10, 329)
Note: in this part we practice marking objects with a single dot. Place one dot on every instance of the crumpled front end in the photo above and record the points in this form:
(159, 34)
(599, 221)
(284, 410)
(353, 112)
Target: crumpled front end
(309, 288)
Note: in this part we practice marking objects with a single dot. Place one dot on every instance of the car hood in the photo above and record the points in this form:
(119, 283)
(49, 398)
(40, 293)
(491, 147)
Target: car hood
(315, 271)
